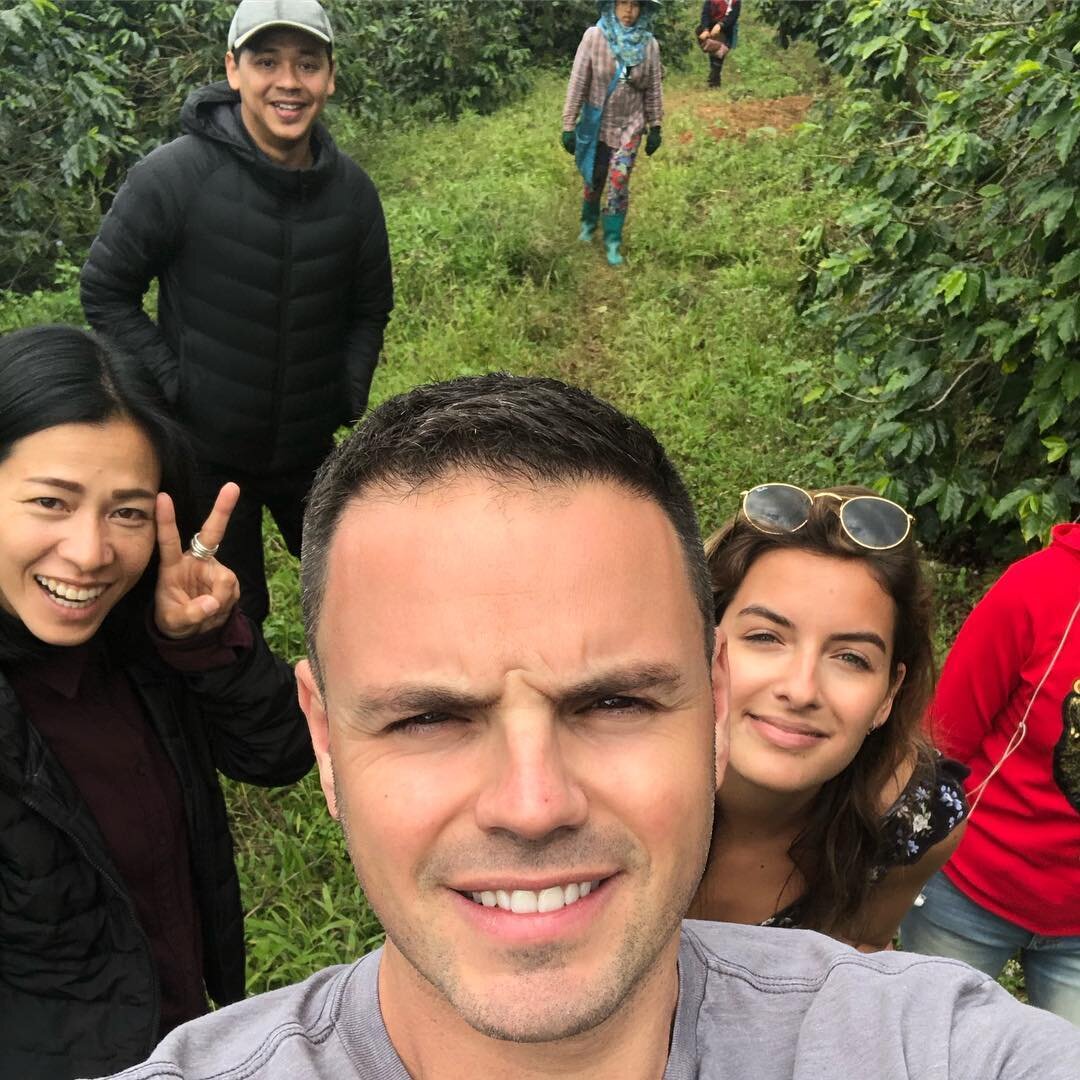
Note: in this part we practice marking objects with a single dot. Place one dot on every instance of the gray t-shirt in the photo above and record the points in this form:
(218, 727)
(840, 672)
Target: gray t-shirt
(753, 1002)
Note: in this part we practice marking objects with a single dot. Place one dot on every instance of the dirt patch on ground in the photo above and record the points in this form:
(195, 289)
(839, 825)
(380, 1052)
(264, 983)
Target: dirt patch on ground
(736, 119)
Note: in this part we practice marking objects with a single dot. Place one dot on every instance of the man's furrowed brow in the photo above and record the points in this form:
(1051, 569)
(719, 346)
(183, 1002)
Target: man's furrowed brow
(416, 699)
(631, 679)
(419, 698)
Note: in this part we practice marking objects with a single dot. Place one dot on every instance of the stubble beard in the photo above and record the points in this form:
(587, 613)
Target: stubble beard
(559, 1016)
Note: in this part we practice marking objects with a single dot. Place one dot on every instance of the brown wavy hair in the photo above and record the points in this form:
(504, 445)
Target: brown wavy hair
(841, 845)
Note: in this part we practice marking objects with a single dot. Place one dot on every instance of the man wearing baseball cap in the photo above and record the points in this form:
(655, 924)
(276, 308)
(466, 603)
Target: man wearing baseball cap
(270, 249)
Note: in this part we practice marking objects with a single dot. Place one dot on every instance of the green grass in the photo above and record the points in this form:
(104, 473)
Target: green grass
(692, 336)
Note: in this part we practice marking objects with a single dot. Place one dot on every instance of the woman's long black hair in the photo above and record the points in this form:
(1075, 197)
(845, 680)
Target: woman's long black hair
(53, 375)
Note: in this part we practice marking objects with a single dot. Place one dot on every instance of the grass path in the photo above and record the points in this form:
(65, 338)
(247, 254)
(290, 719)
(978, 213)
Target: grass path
(695, 335)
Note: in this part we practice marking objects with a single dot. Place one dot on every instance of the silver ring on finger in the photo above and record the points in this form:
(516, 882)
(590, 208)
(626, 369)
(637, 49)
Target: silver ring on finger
(199, 550)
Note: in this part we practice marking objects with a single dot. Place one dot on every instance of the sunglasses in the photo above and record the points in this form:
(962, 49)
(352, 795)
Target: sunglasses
(868, 520)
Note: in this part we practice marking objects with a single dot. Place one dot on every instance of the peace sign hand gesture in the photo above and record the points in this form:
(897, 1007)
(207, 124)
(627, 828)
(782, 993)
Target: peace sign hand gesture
(194, 594)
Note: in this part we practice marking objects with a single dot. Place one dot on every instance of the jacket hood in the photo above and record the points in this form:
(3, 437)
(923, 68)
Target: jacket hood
(18, 645)
(123, 633)
(213, 112)
(1066, 536)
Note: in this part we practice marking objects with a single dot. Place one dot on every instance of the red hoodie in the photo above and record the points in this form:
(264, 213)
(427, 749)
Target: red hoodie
(1020, 858)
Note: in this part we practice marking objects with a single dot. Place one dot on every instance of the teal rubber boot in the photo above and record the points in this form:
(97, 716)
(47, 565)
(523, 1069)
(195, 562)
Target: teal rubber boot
(613, 224)
(590, 215)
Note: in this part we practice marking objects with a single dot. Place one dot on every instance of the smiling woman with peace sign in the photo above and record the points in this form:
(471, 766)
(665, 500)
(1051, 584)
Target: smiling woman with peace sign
(128, 677)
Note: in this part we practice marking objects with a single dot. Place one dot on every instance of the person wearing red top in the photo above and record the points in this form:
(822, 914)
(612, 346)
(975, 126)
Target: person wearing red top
(1008, 706)
(717, 32)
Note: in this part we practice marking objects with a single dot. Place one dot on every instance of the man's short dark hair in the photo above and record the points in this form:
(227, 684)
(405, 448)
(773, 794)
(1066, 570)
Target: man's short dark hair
(511, 429)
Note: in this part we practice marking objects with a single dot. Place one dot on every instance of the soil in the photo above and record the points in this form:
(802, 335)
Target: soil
(736, 119)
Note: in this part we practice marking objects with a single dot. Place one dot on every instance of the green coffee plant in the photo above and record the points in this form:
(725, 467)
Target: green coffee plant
(951, 283)
(92, 85)
(451, 54)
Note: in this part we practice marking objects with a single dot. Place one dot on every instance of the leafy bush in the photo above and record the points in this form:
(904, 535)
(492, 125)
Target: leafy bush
(951, 283)
(553, 28)
(92, 85)
(448, 54)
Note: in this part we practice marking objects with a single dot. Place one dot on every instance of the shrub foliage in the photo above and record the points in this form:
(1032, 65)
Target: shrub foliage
(92, 85)
(89, 87)
(951, 280)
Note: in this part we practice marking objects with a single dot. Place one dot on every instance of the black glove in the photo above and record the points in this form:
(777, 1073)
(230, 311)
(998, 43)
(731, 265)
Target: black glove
(569, 141)
(652, 141)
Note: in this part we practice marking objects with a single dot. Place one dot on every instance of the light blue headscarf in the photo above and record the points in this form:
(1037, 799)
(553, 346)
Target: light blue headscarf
(627, 43)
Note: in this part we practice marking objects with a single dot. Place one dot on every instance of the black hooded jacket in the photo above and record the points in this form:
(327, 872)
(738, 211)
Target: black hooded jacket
(275, 287)
(79, 992)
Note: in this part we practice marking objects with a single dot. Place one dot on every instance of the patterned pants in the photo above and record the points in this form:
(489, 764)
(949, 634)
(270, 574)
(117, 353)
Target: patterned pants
(615, 167)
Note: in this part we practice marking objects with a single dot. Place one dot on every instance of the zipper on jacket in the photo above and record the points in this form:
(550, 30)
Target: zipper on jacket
(122, 893)
(283, 322)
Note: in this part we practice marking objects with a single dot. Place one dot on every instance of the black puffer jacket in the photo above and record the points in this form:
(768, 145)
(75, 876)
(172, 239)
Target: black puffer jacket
(275, 287)
(78, 987)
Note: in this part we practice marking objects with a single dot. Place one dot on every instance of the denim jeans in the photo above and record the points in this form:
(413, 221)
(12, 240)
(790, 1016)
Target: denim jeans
(947, 923)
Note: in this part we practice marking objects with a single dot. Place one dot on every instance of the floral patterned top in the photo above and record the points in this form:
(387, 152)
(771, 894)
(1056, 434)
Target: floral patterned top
(925, 812)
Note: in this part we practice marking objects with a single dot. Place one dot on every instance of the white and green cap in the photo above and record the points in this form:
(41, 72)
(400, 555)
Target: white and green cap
(252, 16)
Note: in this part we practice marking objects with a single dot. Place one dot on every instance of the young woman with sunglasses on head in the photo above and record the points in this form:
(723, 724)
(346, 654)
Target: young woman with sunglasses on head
(833, 810)
(128, 677)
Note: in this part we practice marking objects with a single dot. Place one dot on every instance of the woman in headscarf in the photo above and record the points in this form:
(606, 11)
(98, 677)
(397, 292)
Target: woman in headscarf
(615, 78)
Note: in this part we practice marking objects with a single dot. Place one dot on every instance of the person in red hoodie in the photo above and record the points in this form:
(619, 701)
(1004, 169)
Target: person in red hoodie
(718, 29)
(1008, 706)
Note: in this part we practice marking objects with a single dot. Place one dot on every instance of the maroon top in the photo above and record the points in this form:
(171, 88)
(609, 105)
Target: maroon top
(87, 711)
